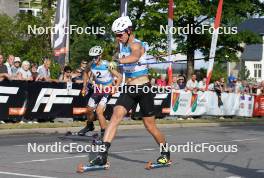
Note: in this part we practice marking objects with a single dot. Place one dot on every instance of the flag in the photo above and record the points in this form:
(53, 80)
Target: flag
(60, 39)
(214, 43)
(170, 25)
(123, 8)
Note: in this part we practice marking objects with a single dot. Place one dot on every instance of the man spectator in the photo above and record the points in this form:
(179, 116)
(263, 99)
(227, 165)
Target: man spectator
(162, 80)
(77, 76)
(44, 71)
(3, 69)
(192, 84)
(219, 87)
(231, 79)
(15, 67)
(181, 83)
(202, 84)
(174, 84)
(9, 63)
(84, 65)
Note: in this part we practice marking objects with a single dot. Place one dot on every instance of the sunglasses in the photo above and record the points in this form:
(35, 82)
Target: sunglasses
(84, 62)
(78, 71)
(68, 72)
(119, 35)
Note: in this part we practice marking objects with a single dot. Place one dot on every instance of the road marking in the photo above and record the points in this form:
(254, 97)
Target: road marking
(238, 140)
(24, 175)
(51, 159)
(130, 151)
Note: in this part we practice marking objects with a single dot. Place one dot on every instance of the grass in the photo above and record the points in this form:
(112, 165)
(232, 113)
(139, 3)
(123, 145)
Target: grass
(129, 122)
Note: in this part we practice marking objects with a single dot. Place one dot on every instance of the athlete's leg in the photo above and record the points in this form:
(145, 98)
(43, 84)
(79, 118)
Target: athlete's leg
(90, 117)
(118, 114)
(147, 105)
(123, 105)
(100, 115)
(150, 125)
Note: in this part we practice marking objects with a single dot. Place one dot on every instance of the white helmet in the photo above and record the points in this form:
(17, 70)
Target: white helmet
(121, 24)
(96, 51)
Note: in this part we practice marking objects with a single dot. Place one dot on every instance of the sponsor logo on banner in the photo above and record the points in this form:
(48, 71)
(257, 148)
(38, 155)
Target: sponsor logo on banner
(175, 101)
(8, 91)
(194, 102)
(53, 97)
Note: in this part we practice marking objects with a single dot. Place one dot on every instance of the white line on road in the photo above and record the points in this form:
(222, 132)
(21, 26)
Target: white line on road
(51, 159)
(24, 175)
(238, 140)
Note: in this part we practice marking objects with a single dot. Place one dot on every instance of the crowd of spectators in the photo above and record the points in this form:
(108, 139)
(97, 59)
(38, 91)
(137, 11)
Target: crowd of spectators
(234, 85)
(15, 69)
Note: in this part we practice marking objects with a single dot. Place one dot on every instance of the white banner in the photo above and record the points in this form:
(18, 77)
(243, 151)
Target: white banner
(206, 103)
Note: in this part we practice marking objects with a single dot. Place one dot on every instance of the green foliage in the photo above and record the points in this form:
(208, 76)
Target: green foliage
(147, 20)
(219, 71)
(244, 73)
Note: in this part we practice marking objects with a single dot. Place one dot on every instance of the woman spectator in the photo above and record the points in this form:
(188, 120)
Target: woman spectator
(34, 72)
(67, 75)
(202, 84)
(181, 83)
(24, 73)
(162, 80)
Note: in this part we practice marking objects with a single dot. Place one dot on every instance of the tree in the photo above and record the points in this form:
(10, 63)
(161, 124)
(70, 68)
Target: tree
(194, 13)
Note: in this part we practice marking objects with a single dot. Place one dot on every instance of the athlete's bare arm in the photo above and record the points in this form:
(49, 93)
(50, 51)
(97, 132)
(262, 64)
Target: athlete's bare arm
(118, 76)
(136, 50)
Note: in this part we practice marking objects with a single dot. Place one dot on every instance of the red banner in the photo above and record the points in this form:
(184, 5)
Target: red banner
(259, 106)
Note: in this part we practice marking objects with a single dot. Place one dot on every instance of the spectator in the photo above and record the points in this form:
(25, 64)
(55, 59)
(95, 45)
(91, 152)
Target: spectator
(231, 79)
(162, 80)
(219, 87)
(181, 82)
(77, 76)
(174, 84)
(202, 84)
(67, 75)
(15, 67)
(9, 63)
(3, 69)
(44, 71)
(237, 86)
(34, 72)
(153, 82)
(83, 65)
(192, 84)
(262, 88)
(24, 73)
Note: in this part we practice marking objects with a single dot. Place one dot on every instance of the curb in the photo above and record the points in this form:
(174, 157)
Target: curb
(124, 127)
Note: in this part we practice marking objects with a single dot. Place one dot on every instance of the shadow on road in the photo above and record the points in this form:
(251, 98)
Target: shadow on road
(235, 170)
(126, 159)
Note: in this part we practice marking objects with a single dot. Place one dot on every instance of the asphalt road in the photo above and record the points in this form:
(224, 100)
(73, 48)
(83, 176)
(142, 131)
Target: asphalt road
(133, 148)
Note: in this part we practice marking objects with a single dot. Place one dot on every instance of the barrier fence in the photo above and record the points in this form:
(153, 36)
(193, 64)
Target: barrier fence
(44, 100)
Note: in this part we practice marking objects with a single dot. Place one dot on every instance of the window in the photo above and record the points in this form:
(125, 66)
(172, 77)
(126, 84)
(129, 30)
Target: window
(257, 70)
